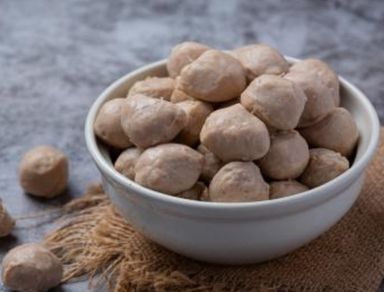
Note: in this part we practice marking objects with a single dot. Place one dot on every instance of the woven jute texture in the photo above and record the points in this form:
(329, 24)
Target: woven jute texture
(95, 241)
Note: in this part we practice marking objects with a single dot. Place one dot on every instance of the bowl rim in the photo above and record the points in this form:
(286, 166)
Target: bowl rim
(312, 196)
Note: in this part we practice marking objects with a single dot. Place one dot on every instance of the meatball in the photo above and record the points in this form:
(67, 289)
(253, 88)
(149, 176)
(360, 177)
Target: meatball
(125, 163)
(287, 157)
(324, 165)
(6, 221)
(107, 125)
(285, 188)
(43, 172)
(149, 121)
(178, 95)
(233, 133)
(260, 59)
(193, 193)
(182, 55)
(31, 267)
(238, 182)
(278, 102)
(215, 76)
(337, 131)
(204, 196)
(159, 87)
(321, 86)
(197, 111)
(169, 168)
(211, 165)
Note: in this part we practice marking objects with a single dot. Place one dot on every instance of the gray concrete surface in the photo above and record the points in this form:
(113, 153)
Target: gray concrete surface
(57, 56)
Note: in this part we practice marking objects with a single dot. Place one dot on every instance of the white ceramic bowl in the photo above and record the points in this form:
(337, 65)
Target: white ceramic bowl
(235, 233)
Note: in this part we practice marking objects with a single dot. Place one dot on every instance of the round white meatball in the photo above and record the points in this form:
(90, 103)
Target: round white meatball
(44, 171)
(197, 112)
(194, 193)
(321, 86)
(260, 59)
(182, 55)
(233, 133)
(6, 221)
(178, 95)
(125, 163)
(211, 165)
(107, 125)
(324, 165)
(31, 267)
(169, 168)
(285, 188)
(238, 182)
(287, 157)
(214, 76)
(337, 131)
(159, 87)
(149, 121)
(278, 102)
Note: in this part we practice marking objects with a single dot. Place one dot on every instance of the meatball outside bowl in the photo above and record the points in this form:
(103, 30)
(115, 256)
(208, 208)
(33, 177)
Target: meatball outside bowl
(234, 233)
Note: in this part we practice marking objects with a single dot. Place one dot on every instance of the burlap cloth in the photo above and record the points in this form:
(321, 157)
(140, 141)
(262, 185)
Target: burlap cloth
(94, 240)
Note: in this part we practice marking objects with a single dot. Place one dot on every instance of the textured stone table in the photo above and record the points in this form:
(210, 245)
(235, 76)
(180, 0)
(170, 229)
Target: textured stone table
(57, 56)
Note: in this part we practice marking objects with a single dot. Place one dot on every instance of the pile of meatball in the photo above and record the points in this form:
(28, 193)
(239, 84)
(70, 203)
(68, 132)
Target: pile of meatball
(233, 126)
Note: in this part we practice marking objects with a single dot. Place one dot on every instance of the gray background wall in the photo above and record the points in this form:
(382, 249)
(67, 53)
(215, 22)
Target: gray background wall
(57, 56)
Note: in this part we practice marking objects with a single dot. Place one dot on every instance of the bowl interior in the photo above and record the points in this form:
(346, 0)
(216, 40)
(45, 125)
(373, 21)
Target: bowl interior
(351, 98)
